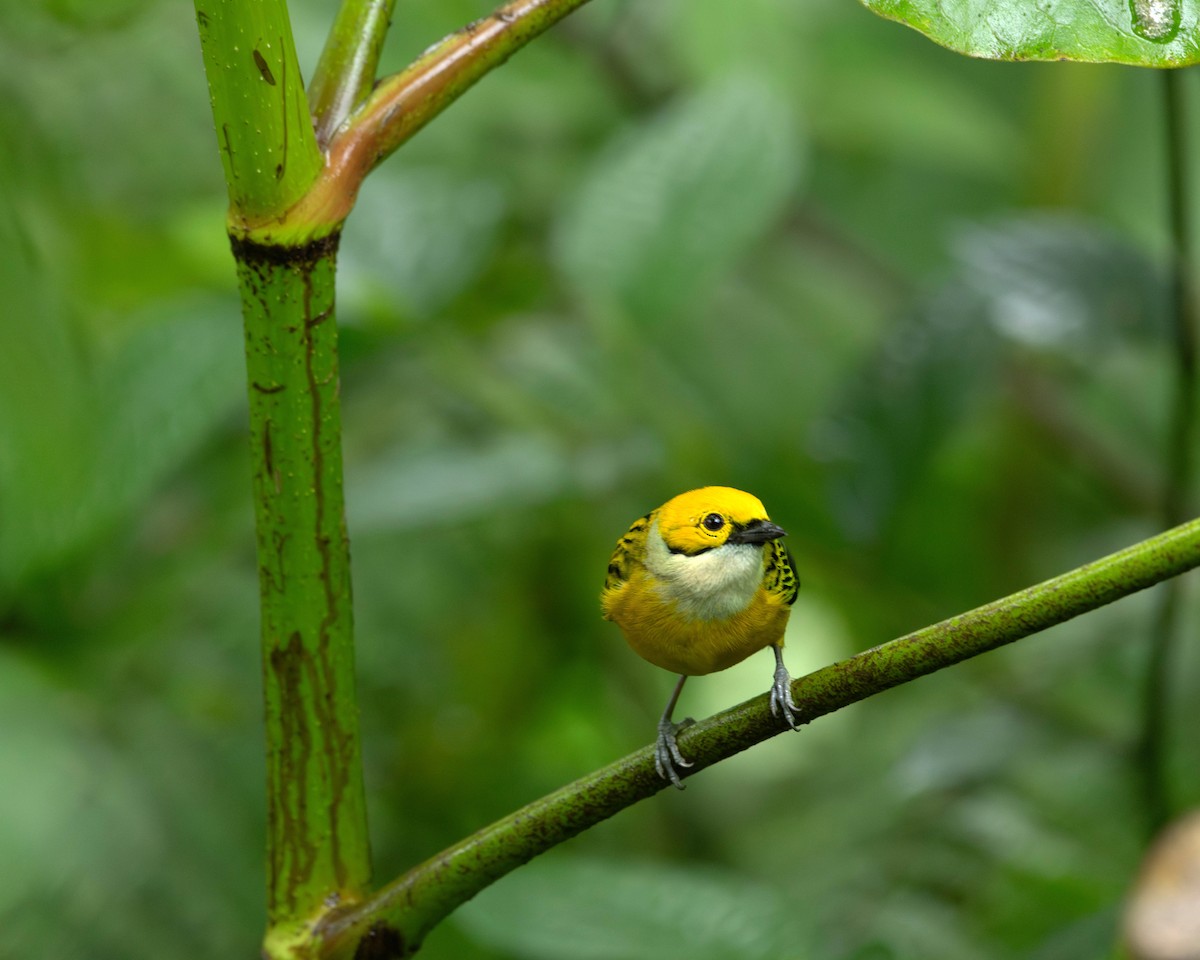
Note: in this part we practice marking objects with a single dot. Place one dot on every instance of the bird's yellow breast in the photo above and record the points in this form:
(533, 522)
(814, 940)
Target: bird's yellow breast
(660, 631)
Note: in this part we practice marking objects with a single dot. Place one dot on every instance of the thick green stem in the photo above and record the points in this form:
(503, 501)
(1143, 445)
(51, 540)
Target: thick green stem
(317, 836)
(399, 916)
(264, 133)
(317, 850)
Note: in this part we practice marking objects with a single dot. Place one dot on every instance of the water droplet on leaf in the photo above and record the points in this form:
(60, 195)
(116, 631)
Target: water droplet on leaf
(1156, 20)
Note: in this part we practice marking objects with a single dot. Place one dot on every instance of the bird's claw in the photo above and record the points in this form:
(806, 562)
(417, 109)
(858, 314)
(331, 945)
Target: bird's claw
(667, 758)
(782, 704)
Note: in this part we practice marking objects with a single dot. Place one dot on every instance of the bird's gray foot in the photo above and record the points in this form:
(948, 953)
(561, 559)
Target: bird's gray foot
(667, 759)
(782, 704)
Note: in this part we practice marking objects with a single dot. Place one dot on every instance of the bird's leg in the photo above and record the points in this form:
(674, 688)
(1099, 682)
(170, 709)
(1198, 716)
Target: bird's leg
(782, 703)
(667, 757)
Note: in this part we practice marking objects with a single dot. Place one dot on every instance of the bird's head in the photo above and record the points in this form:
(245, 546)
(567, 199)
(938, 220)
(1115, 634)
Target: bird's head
(702, 520)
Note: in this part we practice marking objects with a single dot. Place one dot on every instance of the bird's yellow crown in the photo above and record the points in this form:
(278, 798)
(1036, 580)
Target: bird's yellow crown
(702, 519)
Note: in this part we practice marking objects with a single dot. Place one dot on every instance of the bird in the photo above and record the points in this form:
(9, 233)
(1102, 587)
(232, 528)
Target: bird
(697, 585)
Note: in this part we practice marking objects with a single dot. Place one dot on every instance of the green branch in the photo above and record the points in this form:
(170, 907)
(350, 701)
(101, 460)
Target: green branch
(403, 103)
(399, 916)
(345, 73)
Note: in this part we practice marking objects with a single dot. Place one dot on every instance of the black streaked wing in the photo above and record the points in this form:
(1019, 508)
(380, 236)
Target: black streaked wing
(779, 577)
(631, 549)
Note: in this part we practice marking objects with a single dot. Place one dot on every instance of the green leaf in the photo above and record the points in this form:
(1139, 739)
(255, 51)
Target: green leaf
(162, 395)
(1054, 281)
(95, 804)
(675, 202)
(894, 416)
(83, 442)
(606, 910)
(447, 481)
(1152, 33)
(1092, 936)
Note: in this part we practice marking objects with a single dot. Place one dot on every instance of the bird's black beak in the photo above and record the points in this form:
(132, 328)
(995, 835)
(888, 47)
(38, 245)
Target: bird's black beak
(757, 531)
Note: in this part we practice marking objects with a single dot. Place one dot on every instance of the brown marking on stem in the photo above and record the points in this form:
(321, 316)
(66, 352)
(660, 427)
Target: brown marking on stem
(257, 256)
(280, 542)
(266, 579)
(318, 319)
(269, 459)
(264, 68)
(228, 148)
(283, 107)
(276, 388)
(291, 848)
(335, 742)
(381, 942)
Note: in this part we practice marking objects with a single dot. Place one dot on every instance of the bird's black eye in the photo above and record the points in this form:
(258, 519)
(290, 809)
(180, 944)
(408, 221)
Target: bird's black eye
(713, 522)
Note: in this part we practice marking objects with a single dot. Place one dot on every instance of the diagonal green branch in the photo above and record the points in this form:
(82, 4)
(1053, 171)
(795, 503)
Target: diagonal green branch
(403, 103)
(397, 107)
(345, 73)
(398, 916)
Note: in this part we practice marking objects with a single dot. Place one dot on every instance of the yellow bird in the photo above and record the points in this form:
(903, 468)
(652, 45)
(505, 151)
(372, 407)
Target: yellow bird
(698, 585)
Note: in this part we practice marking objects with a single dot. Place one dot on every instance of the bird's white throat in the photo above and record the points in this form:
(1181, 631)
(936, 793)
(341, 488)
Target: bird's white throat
(709, 586)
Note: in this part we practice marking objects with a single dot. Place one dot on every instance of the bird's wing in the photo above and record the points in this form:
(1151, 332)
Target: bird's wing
(779, 577)
(631, 549)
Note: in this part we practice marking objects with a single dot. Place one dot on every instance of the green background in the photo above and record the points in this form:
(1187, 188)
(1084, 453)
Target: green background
(915, 302)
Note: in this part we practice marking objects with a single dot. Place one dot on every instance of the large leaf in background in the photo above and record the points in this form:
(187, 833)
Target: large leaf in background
(60, 781)
(895, 414)
(1058, 282)
(675, 201)
(188, 353)
(1156, 33)
(1046, 284)
(577, 909)
(98, 811)
(89, 425)
(83, 441)
(450, 481)
(523, 416)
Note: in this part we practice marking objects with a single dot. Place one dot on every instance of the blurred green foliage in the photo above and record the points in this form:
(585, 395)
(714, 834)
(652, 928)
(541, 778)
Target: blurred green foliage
(913, 301)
